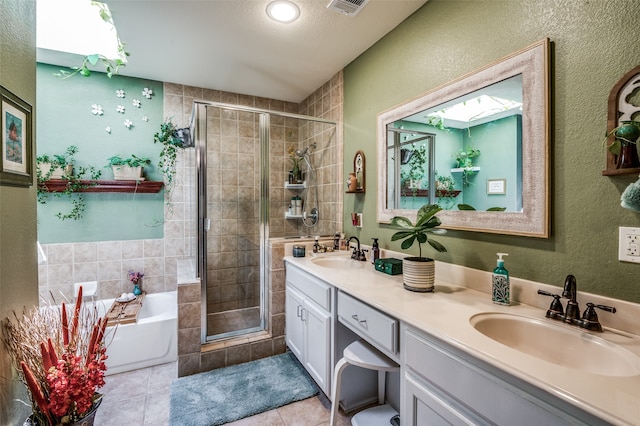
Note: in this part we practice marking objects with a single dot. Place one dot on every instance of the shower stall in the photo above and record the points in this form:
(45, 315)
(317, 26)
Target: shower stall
(243, 158)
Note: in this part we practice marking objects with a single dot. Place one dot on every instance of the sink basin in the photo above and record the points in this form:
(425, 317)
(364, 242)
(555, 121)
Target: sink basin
(342, 262)
(558, 344)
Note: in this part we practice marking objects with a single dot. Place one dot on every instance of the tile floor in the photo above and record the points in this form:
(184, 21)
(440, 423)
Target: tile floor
(141, 398)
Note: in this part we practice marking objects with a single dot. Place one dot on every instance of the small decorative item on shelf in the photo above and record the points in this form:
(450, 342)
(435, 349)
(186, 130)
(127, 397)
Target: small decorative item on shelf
(624, 145)
(61, 361)
(135, 278)
(295, 173)
(352, 182)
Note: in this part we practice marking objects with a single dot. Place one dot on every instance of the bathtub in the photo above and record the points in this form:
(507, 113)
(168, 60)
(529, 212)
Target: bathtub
(151, 341)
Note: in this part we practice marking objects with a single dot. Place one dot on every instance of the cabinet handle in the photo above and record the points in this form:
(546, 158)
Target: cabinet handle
(302, 314)
(355, 317)
(363, 323)
(298, 313)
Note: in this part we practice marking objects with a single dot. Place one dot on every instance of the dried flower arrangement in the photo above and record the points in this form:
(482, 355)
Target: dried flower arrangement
(61, 363)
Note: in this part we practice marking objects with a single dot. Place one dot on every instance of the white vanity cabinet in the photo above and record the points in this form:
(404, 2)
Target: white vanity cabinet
(442, 385)
(309, 317)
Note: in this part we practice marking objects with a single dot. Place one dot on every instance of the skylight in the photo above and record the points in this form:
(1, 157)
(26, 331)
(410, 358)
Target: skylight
(76, 26)
(476, 109)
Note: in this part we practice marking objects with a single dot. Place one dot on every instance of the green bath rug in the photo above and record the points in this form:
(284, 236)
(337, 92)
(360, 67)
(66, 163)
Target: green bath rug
(232, 393)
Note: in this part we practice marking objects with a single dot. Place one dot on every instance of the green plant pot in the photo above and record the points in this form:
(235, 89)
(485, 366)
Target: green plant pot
(628, 131)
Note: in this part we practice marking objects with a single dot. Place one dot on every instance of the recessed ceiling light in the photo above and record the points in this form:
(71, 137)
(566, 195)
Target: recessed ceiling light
(283, 11)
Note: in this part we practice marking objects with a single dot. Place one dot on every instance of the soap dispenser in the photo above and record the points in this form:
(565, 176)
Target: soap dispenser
(500, 292)
(375, 251)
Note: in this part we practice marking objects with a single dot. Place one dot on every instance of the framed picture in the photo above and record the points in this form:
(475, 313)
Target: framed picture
(16, 166)
(496, 186)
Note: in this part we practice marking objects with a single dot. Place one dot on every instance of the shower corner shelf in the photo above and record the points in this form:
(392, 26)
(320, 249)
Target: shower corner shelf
(287, 215)
(140, 187)
(302, 185)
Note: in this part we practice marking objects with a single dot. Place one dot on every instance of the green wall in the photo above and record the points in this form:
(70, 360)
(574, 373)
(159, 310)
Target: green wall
(18, 256)
(66, 118)
(594, 43)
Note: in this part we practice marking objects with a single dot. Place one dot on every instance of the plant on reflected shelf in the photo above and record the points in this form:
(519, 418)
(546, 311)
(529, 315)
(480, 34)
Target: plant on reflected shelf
(74, 182)
(59, 355)
(464, 161)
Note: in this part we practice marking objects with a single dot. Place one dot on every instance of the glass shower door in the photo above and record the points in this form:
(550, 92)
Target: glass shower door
(230, 173)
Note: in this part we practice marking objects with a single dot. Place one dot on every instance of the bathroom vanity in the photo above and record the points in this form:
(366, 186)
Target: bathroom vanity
(451, 372)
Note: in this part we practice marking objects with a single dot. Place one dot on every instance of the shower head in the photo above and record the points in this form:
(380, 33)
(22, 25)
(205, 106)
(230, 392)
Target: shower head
(302, 152)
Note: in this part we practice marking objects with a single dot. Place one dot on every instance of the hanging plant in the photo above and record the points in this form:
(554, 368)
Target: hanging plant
(112, 66)
(171, 142)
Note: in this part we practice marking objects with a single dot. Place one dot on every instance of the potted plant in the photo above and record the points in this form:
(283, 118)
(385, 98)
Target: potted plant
(59, 355)
(74, 181)
(624, 145)
(419, 272)
(127, 168)
(56, 166)
(464, 160)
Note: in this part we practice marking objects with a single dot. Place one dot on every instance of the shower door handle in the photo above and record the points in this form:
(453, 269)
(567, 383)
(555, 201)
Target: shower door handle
(207, 224)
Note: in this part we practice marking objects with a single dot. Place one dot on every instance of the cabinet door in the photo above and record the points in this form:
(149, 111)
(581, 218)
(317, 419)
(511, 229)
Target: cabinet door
(294, 324)
(318, 345)
(424, 406)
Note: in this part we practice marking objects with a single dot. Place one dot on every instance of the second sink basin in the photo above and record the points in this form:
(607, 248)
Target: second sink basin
(558, 344)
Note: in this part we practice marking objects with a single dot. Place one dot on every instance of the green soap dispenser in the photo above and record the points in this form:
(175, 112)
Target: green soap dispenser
(500, 292)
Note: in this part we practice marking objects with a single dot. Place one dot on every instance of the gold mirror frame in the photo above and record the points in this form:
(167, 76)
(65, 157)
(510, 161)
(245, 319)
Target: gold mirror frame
(533, 221)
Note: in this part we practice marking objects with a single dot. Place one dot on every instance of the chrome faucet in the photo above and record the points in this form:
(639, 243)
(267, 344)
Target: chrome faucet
(589, 318)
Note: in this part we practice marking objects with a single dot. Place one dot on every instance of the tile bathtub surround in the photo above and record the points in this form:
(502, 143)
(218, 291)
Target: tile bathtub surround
(108, 263)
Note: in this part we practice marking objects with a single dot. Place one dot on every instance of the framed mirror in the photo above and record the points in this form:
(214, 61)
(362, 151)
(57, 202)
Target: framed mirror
(478, 146)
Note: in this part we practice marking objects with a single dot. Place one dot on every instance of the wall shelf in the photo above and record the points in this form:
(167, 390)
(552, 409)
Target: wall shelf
(468, 169)
(292, 216)
(302, 185)
(140, 187)
(619, 109)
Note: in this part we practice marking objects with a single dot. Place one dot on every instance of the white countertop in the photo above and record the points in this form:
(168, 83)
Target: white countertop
(446, 314)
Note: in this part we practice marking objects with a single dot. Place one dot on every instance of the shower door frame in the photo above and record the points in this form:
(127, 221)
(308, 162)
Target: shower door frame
(199, 122)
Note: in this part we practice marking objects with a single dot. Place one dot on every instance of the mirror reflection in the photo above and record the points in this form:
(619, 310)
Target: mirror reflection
(477, 146)
(462, 154)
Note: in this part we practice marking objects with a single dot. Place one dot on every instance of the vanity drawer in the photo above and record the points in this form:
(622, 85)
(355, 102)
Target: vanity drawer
(315, 289)
(368, 322)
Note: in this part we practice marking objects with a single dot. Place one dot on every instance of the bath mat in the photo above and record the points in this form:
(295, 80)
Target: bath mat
(232, 393)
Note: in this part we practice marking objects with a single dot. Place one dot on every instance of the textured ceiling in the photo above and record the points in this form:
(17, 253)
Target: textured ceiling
(231, 45)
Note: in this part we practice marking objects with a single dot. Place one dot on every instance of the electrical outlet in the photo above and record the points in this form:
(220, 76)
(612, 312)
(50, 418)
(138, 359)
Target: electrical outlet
(629, 244)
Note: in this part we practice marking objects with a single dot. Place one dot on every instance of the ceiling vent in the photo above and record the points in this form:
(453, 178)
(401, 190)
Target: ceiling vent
(347, 7)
